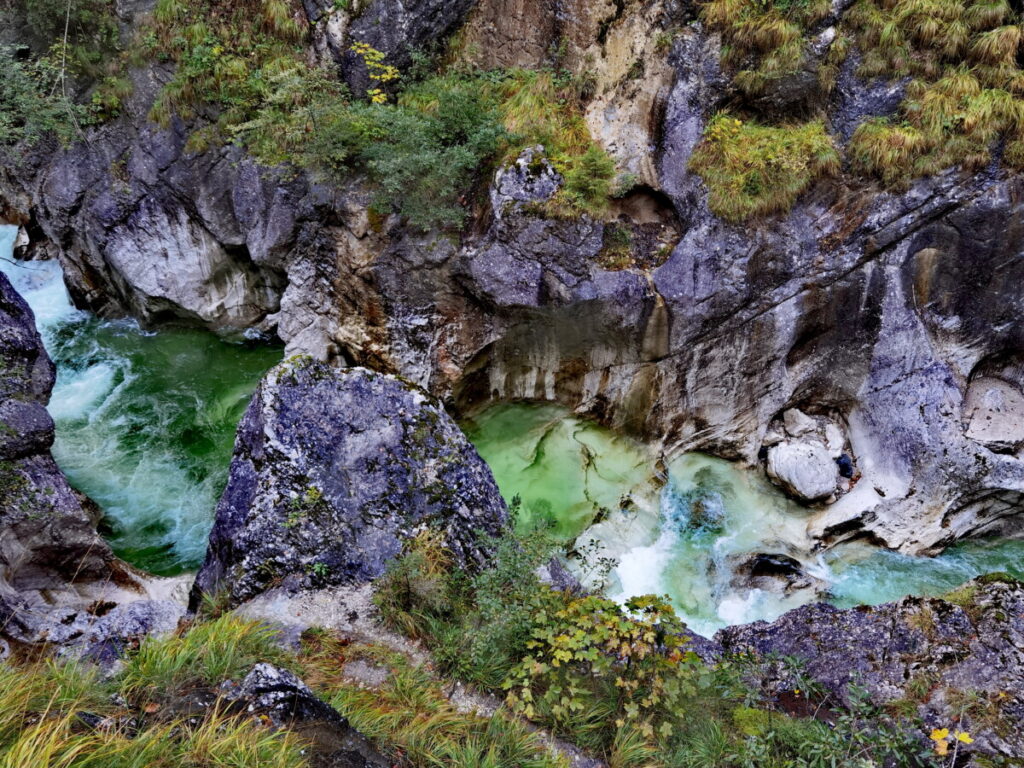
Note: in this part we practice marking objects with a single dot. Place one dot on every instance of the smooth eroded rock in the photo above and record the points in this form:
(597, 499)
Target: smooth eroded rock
(804, 470)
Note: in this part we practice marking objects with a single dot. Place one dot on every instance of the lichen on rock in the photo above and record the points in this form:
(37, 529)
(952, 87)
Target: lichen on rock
(333, 470)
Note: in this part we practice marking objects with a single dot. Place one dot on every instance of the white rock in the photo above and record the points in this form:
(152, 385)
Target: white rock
(804, 470)
(995, 414)
(798, 423)
(834, 440)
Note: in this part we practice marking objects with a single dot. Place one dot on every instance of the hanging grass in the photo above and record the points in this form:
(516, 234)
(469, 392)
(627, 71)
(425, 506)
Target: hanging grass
(755, 170)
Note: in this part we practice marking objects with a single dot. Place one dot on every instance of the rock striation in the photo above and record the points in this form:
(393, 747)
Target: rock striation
(332, 471)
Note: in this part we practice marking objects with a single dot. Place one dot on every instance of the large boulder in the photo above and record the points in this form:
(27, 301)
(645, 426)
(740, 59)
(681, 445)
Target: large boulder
(803, 469)
(956, 662)
(332, 471)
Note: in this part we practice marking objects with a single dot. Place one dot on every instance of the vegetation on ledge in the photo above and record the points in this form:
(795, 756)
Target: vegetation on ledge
(754, 170)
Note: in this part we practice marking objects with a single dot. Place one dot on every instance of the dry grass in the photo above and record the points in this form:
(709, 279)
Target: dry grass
(410, 717)
(42, 726)
(755, 170)
(762, 40)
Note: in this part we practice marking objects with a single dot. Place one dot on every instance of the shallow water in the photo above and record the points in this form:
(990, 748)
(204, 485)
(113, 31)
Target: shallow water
(145, 421)
(683, 530)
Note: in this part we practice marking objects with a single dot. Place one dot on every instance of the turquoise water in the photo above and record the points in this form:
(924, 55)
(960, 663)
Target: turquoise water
(682, 530)
(145, 421)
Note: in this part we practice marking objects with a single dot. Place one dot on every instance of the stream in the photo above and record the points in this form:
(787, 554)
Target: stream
(145, 421)
(145, 425)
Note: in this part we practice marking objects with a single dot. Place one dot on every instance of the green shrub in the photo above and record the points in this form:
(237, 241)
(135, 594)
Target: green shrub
(594, 655)
(754, 170)
(31, 102)
(588, 180)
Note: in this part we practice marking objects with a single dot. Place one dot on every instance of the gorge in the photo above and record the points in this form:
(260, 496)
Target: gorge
(722, 298)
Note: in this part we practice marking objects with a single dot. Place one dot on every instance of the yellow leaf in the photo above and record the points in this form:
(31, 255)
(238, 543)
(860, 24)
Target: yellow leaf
(964, 737)
(942, 747)
(939, 734)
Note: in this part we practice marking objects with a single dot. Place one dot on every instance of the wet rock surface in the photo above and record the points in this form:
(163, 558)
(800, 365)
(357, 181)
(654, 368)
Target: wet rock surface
(332, 471)
(956, 662)
(858, 302)
(60, 584)
(48, 532)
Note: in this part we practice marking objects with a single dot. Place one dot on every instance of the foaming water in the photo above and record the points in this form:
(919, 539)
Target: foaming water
(145, 421)
(685, 530)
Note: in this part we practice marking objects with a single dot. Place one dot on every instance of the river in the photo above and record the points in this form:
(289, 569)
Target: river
(145, 425)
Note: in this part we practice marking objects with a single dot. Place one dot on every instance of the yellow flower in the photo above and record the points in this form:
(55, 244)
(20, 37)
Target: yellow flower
(964, 737)
(939, 734)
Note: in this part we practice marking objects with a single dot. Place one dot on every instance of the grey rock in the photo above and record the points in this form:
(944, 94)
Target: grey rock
(288, 702)
(60, 583)
(973, 647)
(332, 471)
(398, 28)
(47, 530)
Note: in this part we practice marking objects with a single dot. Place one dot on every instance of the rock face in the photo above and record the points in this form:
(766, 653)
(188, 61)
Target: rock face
(957, 662)
(332, 471)
(48, 533)
(59, 581)
(860, 307)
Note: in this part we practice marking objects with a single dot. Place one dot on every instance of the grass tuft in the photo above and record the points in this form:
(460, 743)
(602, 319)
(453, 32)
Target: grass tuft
(754, 170)
(206, 654)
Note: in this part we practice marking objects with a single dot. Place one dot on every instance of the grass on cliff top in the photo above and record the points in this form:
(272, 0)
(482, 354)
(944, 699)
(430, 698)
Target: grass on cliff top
(762, 40)
(755, 170)
(964, 105)
(967, 92)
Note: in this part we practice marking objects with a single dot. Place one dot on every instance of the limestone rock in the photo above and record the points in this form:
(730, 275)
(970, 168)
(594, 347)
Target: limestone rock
(994, 410)
(972, 642)
(805, 470)
(332, 471)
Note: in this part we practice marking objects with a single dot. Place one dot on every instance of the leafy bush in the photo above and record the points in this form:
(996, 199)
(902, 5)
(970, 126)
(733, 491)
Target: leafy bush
(596, 656)
(31, 102)
(755, 170)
